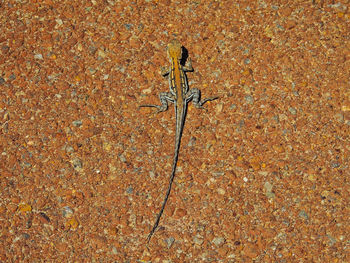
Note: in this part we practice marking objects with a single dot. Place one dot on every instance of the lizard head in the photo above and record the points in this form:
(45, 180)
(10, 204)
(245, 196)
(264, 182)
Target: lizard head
(174, 49)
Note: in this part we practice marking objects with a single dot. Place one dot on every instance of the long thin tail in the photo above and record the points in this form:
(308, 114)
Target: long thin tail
(164, 202)
(179, 127)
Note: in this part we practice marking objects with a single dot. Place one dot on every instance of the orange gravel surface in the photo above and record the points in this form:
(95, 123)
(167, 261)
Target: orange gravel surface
(263, 172)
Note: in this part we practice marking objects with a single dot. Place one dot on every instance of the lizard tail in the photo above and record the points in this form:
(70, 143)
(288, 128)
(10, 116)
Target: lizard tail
(179, 127)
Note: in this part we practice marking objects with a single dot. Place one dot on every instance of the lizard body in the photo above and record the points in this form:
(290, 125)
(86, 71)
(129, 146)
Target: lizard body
(180, 95)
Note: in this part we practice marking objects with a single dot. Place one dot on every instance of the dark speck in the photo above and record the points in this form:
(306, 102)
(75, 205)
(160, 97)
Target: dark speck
(129, 190)
(43, 215)
(128, 26)
(25, 236)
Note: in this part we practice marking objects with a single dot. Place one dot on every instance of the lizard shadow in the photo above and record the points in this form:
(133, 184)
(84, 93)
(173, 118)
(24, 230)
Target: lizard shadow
(184, 57)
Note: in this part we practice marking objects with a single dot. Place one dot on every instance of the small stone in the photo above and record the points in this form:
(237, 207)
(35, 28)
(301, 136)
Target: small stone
(59, 21)
(129, 190)
(218, 241)
(128, 26)
(101, 53)
(169, 241)
(221, 191)
(268, 187)
(92, 70)
(249, 99)
(24, 208)
(77, 163)
(72, 223)
(292, 110)
(67, 212)
(77, 123)
(198, 240)
(114, 250)
(303, 215)
(335, 165)
(270, 195)
(38, 56)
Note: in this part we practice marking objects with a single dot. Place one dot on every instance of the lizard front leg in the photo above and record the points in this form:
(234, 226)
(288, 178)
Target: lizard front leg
(195, 95)
(164, 97)
(164, 71)
(188, 66)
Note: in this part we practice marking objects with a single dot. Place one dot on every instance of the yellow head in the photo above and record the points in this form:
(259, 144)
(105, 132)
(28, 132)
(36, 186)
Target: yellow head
(174, 49)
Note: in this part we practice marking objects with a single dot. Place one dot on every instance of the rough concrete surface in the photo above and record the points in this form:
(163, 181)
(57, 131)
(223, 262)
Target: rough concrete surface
(263, 172)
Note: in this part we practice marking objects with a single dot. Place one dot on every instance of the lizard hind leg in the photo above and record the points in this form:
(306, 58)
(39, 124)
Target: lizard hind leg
(164, 98)
(195, 95)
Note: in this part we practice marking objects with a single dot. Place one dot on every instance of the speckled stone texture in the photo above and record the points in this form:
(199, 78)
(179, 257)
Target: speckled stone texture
(263, 173)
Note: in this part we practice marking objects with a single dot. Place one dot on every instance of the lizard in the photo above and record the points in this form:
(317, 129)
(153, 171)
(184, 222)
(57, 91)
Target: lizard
(180, 95)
